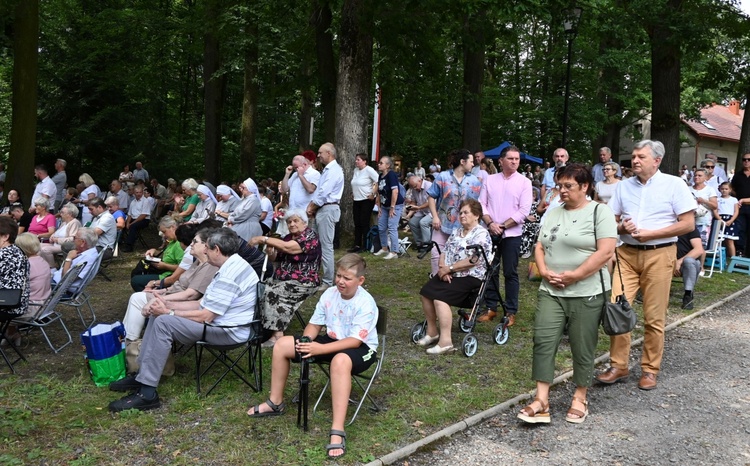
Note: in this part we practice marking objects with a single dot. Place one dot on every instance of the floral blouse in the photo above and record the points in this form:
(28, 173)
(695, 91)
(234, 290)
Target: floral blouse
(14, 275)
(305, 266)
(455, 250)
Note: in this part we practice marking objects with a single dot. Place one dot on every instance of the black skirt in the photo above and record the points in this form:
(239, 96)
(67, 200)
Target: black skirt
(461, 291)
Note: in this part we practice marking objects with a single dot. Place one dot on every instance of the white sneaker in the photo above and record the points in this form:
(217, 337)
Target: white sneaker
(391, 255)
(381, 252)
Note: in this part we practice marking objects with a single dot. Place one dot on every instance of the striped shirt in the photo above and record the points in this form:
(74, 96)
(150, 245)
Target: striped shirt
(232, 296)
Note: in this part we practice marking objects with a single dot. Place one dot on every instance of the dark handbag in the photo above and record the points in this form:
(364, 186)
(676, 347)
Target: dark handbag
(143, 267)
(618, 317)
(10, 298)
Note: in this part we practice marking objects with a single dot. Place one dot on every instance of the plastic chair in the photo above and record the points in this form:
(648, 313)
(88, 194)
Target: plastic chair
(45, 313)
(79, 297)
(367, 377)
(714, 247)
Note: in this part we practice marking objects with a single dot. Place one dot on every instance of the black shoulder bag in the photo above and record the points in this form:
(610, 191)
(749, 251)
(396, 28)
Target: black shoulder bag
(618, 317)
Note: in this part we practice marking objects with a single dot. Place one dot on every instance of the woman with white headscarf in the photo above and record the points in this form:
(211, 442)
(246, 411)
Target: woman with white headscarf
(206, 207)
(245, 220)
(228, 200)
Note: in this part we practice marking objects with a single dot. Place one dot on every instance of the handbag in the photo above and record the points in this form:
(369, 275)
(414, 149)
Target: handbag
(105, 353)
(133, 349)
(534, 275)
(618, 317)
(10, 298)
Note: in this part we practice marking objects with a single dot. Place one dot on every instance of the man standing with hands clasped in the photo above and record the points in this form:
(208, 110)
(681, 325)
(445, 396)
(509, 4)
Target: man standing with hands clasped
(652, 209)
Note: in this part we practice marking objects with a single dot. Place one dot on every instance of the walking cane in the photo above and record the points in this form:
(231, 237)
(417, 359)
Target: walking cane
(304, 383)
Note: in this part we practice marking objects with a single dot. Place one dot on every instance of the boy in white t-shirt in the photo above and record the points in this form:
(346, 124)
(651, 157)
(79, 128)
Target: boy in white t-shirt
(350, 316)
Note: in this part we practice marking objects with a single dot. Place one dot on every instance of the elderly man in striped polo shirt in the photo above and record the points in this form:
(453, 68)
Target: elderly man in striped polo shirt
(229, 300)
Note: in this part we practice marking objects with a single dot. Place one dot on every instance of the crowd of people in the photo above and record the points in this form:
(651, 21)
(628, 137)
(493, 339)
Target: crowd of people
(588, 230)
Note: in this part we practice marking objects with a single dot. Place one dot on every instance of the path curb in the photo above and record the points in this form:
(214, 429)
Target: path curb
(460, 426)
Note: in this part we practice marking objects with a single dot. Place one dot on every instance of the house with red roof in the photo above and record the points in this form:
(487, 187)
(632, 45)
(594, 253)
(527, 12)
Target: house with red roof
(717, 131)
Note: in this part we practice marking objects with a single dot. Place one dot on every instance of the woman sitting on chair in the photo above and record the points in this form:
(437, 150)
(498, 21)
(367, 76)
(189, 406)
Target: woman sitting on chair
(297, 274)
(460, 274)
(350, 316)
(66, 233)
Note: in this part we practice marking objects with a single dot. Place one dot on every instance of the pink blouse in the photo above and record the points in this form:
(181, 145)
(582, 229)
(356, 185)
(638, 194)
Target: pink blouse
(41, 227)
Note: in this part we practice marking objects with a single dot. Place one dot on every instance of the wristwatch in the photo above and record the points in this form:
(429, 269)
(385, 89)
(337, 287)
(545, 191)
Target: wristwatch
(171, 312)
(450, 268)
(68, 260)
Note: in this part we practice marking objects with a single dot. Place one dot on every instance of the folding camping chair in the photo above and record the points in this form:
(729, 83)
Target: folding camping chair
(78, 297)
(45, 313)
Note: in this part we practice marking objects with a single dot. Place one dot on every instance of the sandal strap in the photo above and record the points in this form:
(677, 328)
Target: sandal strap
(544, 404)
(583, 401)
(340, 433)
(576, 412)
(529, 411)
(275, 407)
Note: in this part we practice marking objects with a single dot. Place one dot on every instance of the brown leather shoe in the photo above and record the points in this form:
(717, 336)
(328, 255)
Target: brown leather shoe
(648, 381)
(487, 317)
(612, 375)
(511, 320)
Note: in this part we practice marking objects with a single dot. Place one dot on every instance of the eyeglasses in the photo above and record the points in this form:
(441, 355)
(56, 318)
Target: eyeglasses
(196, 241)
(710, 166)
(464, 212)
(746, 160)
(607, 170)
(567, 186)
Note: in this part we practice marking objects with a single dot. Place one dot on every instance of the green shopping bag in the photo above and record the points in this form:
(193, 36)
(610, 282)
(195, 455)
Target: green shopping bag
(105, 371)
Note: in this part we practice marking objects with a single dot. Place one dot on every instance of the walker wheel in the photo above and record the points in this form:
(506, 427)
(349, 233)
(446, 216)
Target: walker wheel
(470, 345)
(464, 323)
(418, 331)
(501, 334)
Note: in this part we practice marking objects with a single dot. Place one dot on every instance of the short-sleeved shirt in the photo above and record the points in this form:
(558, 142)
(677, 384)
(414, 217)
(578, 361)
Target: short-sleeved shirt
(362, 181)
(197, 277)
(386, 184)
(14, 270)
(707, 192)
(652, 206)
(549, 178)
(449, 193)
(726, 205)
(455, 250)
(232, 296)
(194, 200)
(105, 222)
(419, 196)
(605, 191)
(331, 186)
(567, 237)
(299, 198)
(683, 242)
(267, 207)
(45, 187)
(348, 318)
(172, 255)
(60, 178)
(88, 256)
(741, 184)
(40, 227)
(305, 266)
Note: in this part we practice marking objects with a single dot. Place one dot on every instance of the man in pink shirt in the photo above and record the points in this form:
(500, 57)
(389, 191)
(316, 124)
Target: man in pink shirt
(506, 200)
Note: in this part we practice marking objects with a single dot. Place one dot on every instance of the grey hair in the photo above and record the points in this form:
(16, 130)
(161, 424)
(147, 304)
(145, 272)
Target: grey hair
(299, 213)
(225, 239)
(606, 149)
(656, 148)
(190, 184)
(332, 148)
(705, 161)
(28, 243)
(167, 222)
(71, 209)
(86, 179)
(702, 170)
(612, 165)
(62, 162)
(387, 160)
(89, 236)
(111, 200)
(41, 202)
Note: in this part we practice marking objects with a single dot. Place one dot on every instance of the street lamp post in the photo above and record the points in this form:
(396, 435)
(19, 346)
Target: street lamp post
(571, 31)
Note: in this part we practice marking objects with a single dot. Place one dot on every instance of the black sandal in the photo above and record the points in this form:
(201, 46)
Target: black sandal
(276, 409)
(336, 446)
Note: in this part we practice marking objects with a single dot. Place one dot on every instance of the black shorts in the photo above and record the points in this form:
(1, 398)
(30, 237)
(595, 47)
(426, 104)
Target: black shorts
(362, 356)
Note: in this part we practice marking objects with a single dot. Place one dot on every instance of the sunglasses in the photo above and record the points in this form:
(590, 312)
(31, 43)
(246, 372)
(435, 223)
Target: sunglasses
(746, 160)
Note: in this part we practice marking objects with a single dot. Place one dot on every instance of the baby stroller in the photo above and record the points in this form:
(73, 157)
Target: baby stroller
(467, 318)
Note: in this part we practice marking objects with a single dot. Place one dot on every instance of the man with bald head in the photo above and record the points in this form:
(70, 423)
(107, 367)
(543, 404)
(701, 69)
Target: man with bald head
(324, 206)
(559, 158)
(299, 183)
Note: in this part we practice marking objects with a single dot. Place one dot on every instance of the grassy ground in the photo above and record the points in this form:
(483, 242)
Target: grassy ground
(51, 413)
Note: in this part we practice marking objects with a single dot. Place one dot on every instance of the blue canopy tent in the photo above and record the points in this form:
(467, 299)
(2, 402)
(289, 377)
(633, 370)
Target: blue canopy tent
(495, 153)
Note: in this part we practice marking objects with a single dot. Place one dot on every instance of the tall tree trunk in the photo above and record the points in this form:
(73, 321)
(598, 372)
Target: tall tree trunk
(744, 147)
(665, 88)
(306, 109)
(353, 95)
(248, 156)
(213, 97)
(474, 45)
(24, 99)
(321, 20)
